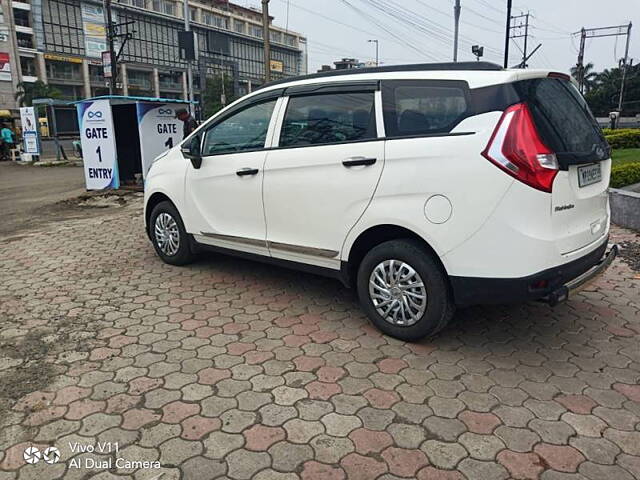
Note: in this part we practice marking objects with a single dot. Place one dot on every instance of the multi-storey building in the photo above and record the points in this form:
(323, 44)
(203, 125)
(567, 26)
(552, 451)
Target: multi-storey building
(60, 42)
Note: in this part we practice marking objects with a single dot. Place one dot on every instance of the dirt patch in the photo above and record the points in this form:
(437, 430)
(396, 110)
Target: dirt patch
(20, 381)
(101, 199)
(630, 254)
(30, 347)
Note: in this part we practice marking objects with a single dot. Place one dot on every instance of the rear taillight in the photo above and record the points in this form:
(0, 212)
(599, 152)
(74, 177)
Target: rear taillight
(516, 147)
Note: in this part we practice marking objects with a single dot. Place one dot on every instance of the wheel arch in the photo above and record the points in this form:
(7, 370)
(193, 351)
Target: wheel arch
(154, 199)
(376, 235)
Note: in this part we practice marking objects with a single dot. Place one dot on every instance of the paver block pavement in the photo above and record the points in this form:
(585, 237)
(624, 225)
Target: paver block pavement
(232, 369)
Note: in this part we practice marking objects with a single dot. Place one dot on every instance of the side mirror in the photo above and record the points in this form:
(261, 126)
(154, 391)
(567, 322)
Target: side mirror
(191, 150)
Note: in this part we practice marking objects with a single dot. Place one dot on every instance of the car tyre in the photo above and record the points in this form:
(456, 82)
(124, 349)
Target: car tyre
(168, 235)
(404, 290)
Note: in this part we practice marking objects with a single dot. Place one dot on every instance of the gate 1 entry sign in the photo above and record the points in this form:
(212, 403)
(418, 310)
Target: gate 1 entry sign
(159, 130)
(98, 145)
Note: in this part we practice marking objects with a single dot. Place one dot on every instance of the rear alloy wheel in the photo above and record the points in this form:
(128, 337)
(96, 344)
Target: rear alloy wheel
(404, 291)
(169, 236)
(397, 292)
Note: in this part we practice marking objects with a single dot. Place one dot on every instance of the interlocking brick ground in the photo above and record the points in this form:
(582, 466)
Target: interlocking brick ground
(232, 369)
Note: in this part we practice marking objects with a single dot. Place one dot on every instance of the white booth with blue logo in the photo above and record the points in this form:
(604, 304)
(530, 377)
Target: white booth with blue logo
(121, 136)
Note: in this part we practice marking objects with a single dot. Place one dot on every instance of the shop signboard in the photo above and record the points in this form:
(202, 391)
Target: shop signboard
(29, 130)
(5, 67)
(98, 145)
(159, 130)
(93, 26)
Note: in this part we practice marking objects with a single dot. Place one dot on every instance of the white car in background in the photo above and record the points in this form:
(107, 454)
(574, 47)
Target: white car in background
(424, 186)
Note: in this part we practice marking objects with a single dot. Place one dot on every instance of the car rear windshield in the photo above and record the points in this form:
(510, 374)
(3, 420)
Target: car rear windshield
(564, 120)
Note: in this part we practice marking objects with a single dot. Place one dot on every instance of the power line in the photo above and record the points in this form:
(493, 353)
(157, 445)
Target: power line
(385, 29)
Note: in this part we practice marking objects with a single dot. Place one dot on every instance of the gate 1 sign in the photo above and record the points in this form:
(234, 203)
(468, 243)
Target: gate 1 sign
(98, 145)
(159, 130)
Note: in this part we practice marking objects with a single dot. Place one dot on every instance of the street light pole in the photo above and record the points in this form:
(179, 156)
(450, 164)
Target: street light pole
(377, 50)
(267, 41)
(456, 30)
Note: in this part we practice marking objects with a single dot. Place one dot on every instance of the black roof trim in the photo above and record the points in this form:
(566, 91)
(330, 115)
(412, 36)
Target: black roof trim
(416, 67)
(330, 87)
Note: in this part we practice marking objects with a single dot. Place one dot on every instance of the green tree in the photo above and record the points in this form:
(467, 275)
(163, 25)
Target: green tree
(605, 94)
(212, 97)
(590, 76)
(28, 91)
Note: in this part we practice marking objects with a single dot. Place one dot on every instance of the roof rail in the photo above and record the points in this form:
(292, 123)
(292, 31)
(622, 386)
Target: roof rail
(415, 67)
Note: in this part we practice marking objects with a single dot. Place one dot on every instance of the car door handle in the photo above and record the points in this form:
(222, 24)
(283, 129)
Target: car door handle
(358, 161)
(247, 171)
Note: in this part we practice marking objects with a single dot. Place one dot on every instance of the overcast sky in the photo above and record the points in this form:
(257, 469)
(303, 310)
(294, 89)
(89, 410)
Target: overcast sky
(335, 29)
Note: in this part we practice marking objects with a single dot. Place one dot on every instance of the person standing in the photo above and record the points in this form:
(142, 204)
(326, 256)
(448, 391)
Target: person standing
(189, 123)
(7, 141)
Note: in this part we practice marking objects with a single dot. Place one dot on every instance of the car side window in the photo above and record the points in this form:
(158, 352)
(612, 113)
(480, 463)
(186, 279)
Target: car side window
(242, 131)
(329, 118)
(413, 109)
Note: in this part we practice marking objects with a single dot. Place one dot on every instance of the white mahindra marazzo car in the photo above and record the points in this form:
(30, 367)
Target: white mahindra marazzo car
(424, 186)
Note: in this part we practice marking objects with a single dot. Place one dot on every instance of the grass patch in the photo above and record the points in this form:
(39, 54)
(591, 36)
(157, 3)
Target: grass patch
(625, 156)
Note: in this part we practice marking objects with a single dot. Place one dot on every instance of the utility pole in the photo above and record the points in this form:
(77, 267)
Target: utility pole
(187, 28)
(507, 33)
(377, 50)
(267, 41)
(456, 29)
(580, 65)
(614, 31)
(521, 22)
(625, 67)
(110, 45)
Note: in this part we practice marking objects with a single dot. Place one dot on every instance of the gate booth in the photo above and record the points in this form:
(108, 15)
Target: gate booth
(121, 136)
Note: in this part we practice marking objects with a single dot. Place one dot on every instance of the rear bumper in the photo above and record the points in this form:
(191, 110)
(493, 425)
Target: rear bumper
(552, 285)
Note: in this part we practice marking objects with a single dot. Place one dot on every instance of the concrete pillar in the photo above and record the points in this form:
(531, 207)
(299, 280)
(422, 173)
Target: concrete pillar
(156, 82)
(185, 94)
(125, 80)
(86, 80)
(41, 67)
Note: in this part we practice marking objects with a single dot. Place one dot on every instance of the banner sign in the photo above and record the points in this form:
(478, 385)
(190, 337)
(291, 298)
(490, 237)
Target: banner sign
(98, 145)
(95, 33)
(159, 130)
(29, 130)
(5, 67)
(107, 72)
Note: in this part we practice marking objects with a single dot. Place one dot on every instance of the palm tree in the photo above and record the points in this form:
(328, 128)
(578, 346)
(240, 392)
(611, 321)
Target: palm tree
(28, 91)
(589, 76)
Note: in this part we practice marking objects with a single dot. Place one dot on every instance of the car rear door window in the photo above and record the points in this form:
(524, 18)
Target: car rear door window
(564, 119)
(328, 118)
(414, 108)
(243, 131)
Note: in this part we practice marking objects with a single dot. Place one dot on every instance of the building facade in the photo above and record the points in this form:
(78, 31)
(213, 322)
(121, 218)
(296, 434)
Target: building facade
(61, 41)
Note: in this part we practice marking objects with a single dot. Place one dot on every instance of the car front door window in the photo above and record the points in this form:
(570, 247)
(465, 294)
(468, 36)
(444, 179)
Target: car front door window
(241, 132)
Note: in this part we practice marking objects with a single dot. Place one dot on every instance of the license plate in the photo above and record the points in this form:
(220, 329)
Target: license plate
(589, 174)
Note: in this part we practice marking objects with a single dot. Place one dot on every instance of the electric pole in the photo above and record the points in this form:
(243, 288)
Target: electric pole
(580, 65)
(456, 29)
(625, 67)
(507, 34)
(377, 50)
(614, 31)
(110, 45)
(267, 41)
(520, 23)
(187, 28)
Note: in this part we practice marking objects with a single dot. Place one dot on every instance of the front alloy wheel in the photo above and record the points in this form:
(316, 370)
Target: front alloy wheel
(167, 234)
(398, 292)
